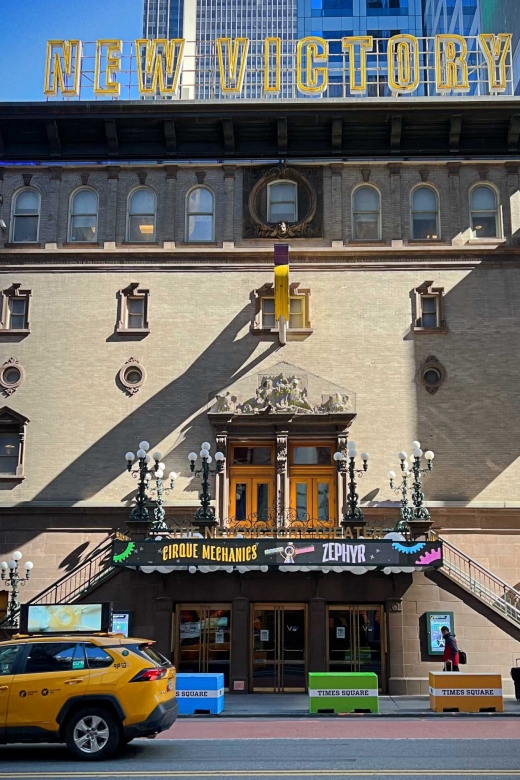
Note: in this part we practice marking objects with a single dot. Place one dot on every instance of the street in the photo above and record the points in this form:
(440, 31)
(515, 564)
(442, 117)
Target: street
(325, 748)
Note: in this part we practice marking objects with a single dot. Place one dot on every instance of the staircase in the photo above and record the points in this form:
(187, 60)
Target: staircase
(480, 582)
(95, 568)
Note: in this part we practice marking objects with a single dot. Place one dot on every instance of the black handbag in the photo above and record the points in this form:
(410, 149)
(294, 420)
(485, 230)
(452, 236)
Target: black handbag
(463, 658)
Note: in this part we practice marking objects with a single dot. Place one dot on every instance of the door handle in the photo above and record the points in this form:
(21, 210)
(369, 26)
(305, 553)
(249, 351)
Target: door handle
(4, 687)
(74, 682)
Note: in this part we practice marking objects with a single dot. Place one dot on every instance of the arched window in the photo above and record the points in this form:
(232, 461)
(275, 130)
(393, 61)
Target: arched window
(200, 223)
(83, 215)
(484, 212)
(26, 216)
(282, 201)
(141, 216)
(366, 214)
(425, 214)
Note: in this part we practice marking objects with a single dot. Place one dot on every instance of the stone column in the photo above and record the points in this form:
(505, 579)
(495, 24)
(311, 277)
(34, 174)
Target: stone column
(229, 203)
(240, 643)
(163, 625)
(282, 499)
(170, 206)
(222, 482)
(395, 190)
(111, 208)
(456, 228)
(395, 644)
(514, 201)
(336, 227)
(55, 177)
(317, 633)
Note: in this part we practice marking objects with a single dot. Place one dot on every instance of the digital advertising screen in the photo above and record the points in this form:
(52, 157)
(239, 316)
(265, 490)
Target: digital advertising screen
(65, 618)
(121, 623)
(435, 621)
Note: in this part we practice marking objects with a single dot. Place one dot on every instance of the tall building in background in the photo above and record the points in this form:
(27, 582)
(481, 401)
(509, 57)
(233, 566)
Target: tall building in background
(461, 17)
(504, 16)
(163, 18)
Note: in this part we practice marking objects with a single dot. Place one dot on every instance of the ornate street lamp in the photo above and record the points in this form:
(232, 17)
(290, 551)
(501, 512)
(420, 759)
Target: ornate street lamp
(347, 462)
(159, 524)
(419, 511)
(406, 511)
(205, 515)
(10, 575)
(139, 512)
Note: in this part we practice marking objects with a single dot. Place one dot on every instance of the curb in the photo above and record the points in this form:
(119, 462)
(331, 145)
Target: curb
(298, 715)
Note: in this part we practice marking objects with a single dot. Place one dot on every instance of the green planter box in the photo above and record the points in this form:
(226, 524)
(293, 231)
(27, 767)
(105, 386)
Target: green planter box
(343, 692)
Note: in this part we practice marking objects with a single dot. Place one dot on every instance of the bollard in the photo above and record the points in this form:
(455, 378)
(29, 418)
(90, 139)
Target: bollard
(343, 692)
(200, 694)
(460, 692)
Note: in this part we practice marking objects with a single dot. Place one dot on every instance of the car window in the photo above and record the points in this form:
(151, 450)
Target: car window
(7, 658)
(97, 658)
(54, 657)
(148, 652)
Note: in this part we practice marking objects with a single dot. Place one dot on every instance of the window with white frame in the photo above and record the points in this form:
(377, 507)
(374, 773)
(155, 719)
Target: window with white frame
(425, 214)
(484, 212)
(282, 201)
(83, 216)
(141, 216)
(296, 312)
(200, 215)
(26, 216)
(366, 214)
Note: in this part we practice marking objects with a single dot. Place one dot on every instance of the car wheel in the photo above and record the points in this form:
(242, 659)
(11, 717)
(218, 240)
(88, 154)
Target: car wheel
(92, 734)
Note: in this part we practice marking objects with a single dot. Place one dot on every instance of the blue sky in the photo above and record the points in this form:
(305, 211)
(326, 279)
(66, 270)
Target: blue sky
(27, 25)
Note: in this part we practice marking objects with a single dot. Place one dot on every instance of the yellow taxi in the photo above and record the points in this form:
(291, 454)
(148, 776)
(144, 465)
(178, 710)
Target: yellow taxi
(95, 693)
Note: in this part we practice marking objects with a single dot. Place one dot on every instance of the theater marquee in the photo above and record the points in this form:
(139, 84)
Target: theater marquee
(310, 67)
(269, 553)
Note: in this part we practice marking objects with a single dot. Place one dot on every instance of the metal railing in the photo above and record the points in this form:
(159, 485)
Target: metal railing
(482, 583)
(96, 567)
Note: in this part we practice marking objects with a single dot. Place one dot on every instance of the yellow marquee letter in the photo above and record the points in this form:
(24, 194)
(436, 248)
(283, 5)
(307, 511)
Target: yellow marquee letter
(62, 64)
(403, 63)
(159, 65)
(495, 49)
(231, 74)
(358, 46)
(113, 65)
(310, 52)
(451, 67)
(272, 52)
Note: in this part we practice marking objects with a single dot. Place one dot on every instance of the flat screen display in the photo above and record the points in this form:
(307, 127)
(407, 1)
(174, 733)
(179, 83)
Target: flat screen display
(435, 622)
(58, 618)
(121, 623)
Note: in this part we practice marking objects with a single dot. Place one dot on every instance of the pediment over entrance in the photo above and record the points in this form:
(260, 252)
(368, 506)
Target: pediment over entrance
(284, 389)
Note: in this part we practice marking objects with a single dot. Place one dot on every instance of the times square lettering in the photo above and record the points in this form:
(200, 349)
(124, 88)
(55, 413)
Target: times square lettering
(161, 62)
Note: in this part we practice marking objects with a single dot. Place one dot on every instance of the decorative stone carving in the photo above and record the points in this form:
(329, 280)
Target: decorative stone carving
(335, 404)
(432, 374)
(226, 403)
(308, 226)
(281, 394)
(132, 376)
(281, 453)
(12, 374)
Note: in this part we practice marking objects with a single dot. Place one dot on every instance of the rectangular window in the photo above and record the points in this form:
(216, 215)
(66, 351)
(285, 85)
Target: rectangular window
(135, 313)
(429, 311)
(17, 313)
(9, 452)
(8, 657)
(311, 456)
(252, 456)
(296, 313)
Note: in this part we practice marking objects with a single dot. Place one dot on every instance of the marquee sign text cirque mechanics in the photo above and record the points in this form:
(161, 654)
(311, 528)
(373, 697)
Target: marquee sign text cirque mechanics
(445, 64)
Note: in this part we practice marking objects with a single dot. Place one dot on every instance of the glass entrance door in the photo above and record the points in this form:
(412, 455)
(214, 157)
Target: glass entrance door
(356, 640)
(203, 639)
(279, 648)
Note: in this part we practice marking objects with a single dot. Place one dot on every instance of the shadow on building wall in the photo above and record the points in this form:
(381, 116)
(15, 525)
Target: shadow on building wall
(472, 421)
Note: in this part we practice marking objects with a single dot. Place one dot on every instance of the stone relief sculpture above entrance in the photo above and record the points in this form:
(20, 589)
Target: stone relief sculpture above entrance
(285, 390)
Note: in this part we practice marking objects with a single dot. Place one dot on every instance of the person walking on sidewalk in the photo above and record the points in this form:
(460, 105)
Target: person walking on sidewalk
(451, 651)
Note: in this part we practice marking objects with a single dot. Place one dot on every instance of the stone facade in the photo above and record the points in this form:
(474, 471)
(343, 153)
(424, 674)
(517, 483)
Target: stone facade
(200, 344)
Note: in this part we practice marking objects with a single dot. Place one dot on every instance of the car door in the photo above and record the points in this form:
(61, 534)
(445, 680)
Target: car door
(52, 673)
(9, 656)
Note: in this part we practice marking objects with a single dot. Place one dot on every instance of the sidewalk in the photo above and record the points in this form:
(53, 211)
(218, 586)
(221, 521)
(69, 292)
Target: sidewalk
(296, 705)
